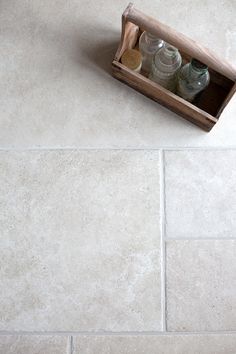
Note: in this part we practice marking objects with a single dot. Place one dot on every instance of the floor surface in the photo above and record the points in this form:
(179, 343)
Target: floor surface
(117, 217)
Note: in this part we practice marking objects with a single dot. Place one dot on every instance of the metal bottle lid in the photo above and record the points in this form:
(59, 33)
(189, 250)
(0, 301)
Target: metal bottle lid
(132, 59)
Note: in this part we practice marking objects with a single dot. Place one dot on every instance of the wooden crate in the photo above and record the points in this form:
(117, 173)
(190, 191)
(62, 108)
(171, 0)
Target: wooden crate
(213, 99)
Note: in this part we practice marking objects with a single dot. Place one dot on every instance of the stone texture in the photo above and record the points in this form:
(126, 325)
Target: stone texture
(160, 344)
(55, 83)
(34, 344)
(79, 243)
(200, 193)
(201, 285)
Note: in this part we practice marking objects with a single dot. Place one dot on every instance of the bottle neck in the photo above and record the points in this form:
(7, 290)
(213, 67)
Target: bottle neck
(168, 56)
(150, 35)
(196, 72)
(170, 51)
(150, 38)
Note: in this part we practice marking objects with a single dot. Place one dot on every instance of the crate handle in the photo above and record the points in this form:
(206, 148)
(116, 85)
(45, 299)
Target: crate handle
(183, 43)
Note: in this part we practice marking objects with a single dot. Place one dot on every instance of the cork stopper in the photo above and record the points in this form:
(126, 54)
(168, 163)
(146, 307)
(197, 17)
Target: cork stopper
(132, 59)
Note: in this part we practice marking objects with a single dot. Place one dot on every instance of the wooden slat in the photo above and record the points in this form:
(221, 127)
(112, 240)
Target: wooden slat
(128, 40)
(163, 96)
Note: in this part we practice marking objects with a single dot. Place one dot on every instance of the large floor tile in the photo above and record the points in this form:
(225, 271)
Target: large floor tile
(163, 344)
(80, 246)
(34, 345)
(201, 285)
(55, 82)
(200, 193)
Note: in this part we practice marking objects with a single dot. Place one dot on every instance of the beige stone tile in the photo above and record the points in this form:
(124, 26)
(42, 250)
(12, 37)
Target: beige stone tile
(201, 285)
(156, 344)
(55, 82)
(200, 193)
(80, 246)
(34, 344)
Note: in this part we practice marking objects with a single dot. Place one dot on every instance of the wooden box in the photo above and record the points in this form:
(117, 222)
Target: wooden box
(213, 99)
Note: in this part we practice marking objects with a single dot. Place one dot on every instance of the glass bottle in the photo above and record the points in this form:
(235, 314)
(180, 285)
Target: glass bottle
(148, 46)
(192, 79)
(166, 63)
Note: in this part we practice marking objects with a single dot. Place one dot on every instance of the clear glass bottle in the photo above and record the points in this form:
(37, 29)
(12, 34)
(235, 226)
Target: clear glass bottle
(192, 79)
(148, 46)
(166, 63)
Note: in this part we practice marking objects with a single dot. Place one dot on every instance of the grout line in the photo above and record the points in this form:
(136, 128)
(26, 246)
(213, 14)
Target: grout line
(164, 234)
(71, 345)
(162, 241)
(200, 239)
(110, 333)
(89, 148)
(200, 148)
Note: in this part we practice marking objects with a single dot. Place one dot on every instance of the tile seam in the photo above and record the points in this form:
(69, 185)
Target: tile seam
(162, 241)
(71, 334)
(200, 239)
(164, 232)
(135, 148)
(71, 351)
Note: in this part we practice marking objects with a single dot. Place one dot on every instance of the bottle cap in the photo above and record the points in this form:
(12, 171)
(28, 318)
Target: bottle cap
(132, 59)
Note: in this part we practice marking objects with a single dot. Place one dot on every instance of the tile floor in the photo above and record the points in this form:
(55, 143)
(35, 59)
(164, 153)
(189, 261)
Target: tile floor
(117, 218)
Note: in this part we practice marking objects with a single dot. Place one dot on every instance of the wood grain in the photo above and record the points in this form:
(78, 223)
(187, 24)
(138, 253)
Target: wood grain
(128, 39)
